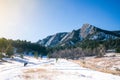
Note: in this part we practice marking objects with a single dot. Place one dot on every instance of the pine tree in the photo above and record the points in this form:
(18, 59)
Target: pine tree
(101, 51)
(22, 56)
(36, 54)
(9, 50)
(1, 56)
(48, 55)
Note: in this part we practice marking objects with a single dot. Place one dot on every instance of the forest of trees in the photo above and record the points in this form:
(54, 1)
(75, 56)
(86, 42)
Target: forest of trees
(7, 47)
(85, 48)
(77, 52)
(81, 49)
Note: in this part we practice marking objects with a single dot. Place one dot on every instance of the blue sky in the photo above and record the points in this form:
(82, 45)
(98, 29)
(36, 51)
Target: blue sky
(35, 19)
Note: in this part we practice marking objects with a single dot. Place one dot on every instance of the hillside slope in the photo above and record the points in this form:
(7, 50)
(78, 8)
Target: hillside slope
(49, 69)
(87, 31)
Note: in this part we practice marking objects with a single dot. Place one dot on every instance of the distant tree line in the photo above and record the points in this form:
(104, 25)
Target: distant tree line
(85, 48)
(23, 45)
(76, 53)
(80, 49)
(8, 46)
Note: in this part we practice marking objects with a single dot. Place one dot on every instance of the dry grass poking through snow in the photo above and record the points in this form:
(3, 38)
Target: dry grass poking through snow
(38, 74)
(105, 64)
(32, 74)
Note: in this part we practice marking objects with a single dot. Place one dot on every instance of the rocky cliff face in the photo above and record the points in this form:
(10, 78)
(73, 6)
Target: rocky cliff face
(87, 31)
(53, 39)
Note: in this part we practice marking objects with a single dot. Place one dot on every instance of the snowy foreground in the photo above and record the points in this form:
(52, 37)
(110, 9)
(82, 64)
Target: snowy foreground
(48, 69)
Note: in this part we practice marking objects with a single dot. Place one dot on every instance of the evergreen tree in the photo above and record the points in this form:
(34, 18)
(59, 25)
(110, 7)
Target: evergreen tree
(3, 44)
(1, 56)
(36, 54)
(22, 56)
(9, 51)
(48, 55)
(101, 51)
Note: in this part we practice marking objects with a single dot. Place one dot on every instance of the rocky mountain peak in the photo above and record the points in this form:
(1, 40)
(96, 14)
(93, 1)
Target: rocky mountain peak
(87, 31)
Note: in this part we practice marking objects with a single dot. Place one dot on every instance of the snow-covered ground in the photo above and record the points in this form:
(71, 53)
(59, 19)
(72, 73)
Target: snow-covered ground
(48, 69)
